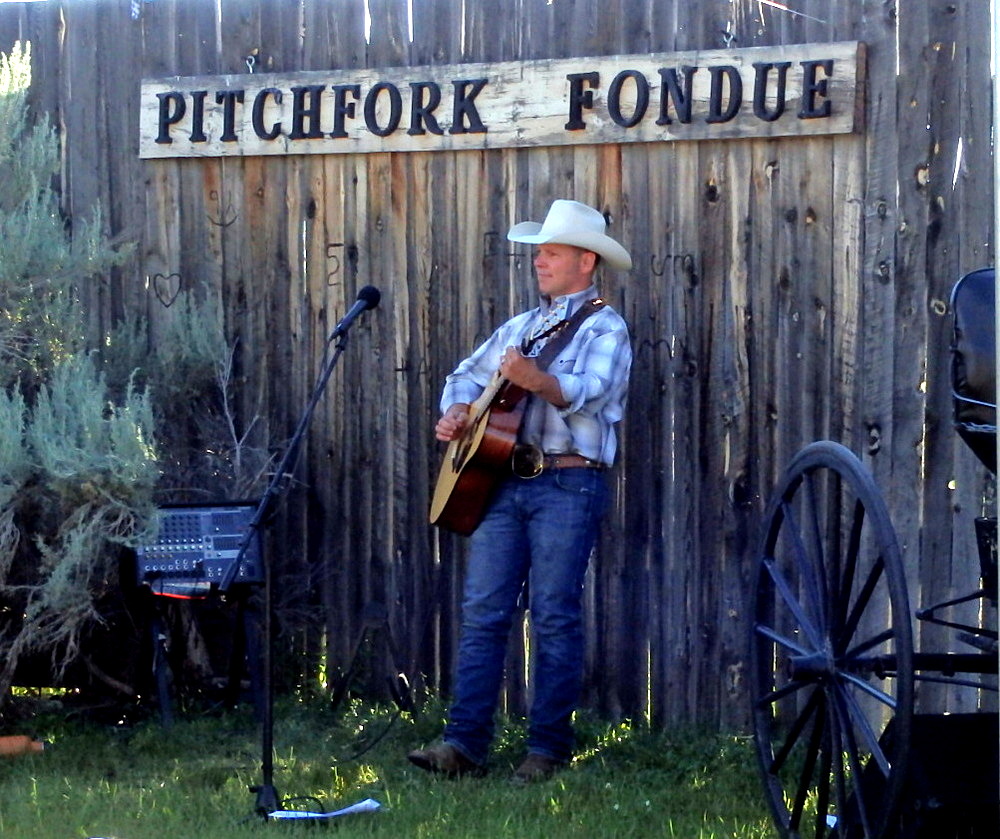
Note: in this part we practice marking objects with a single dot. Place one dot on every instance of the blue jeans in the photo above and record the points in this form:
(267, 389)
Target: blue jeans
(541, 531)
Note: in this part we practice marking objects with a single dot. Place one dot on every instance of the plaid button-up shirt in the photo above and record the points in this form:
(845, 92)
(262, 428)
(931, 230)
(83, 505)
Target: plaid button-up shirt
(592, 371)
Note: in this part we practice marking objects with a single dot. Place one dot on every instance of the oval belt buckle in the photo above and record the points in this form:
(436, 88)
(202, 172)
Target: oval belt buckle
(527, 461)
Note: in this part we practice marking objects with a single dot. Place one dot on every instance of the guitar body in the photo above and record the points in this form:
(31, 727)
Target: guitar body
(477, 461)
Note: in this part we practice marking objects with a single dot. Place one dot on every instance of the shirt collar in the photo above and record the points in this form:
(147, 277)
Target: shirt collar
(573, 300)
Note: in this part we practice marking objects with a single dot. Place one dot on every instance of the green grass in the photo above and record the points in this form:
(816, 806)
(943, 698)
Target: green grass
(144, 781)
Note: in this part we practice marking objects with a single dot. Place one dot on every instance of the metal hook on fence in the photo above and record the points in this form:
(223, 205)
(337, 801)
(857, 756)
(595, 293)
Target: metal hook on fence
(728, 35)
(493, 247)
(251, 61)
(334, 262)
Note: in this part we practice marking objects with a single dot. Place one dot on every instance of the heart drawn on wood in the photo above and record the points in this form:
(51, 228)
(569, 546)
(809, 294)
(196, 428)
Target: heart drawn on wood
(166, 287)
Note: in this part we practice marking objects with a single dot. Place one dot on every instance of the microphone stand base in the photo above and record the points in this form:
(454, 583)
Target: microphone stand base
(267, 799)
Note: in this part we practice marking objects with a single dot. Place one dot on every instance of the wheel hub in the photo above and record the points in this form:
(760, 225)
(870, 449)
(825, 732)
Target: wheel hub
(811, 667)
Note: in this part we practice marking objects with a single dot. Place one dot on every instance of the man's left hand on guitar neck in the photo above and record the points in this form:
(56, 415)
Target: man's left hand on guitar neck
(522, 371)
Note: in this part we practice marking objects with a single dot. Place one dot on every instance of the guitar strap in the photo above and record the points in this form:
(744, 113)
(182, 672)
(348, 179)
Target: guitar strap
(559, 336)
(562, 333)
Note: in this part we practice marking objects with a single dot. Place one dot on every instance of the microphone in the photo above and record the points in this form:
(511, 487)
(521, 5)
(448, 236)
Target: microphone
(368, 298)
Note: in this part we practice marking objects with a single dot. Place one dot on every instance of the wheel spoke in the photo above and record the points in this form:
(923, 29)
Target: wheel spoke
(806, 773)
(798, 726)
(840, 777)
(774, 696)
(850, 565)
(864, 598)
(815, 570)
(849, 746)
(806, 564)
(792, 602)
(862, 725)
(856, 651)
(886, 699)
(779, 639)
(823, 793)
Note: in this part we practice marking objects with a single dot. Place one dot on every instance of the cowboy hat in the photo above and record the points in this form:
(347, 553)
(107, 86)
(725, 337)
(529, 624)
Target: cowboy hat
(573, 223)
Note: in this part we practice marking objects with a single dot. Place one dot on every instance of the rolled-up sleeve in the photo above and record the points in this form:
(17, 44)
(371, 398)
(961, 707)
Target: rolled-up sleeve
(597, 382)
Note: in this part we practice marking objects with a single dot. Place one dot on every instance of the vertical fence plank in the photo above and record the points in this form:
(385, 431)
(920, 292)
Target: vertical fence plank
(911, 336)
(972, 194)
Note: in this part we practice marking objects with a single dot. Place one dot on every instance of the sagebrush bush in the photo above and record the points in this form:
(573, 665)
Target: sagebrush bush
(91, 426)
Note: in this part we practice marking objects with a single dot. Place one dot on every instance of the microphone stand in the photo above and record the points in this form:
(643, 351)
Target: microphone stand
(267, 800)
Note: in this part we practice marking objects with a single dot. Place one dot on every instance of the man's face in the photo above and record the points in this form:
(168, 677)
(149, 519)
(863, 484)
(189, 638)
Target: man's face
(563, 269)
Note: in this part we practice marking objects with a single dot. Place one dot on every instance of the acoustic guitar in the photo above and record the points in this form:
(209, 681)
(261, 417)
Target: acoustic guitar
(475, 462)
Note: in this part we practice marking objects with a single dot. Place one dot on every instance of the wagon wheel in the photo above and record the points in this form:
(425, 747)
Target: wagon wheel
(831, 652)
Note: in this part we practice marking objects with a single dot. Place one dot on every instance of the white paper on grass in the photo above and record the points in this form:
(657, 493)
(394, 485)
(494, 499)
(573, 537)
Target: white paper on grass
(369, 805)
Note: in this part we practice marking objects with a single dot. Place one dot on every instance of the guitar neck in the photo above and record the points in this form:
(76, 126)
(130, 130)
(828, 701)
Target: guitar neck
(499, 395)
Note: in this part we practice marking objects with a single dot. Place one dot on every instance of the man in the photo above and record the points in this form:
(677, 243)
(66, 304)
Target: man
(542, 522)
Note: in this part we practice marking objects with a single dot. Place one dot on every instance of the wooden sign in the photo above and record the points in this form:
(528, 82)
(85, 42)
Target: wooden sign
(758, 92)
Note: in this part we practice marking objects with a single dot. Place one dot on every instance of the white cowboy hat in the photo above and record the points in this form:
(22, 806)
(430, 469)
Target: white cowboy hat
(573, 223)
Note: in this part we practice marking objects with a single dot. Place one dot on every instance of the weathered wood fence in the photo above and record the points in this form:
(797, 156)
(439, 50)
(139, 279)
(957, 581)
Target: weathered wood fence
(785, 290)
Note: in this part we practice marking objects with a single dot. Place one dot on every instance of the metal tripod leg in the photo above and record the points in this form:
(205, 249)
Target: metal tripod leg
(161, 667)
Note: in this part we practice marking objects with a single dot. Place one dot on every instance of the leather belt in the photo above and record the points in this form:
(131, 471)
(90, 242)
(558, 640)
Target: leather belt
(528, 462)
(569, 461)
